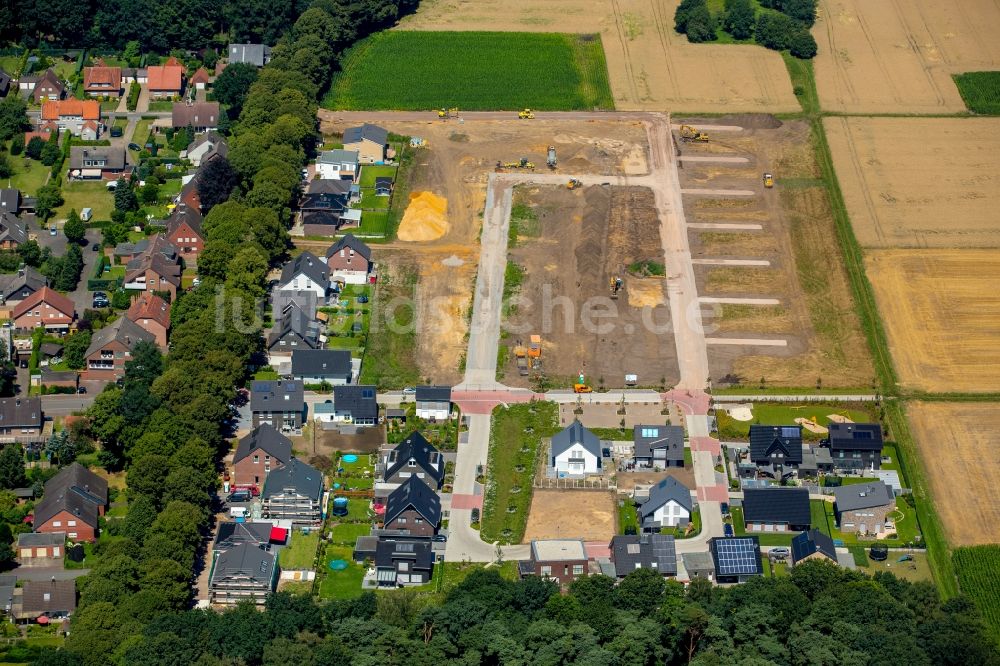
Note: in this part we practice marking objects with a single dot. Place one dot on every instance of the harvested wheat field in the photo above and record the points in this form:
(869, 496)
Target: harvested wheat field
(571, 514)
(898, 57)
(650, 66)
(965, 480)
(919, 182)
(942, 315)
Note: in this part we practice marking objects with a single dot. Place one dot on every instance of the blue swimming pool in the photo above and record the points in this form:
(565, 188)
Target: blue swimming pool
(350, 458)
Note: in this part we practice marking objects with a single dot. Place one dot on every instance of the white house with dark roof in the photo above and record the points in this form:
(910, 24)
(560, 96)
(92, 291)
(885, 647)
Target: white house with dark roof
(433, 403)
(337, 164)
(306, 272)
(669, 505)
(575, 451)
(315, 366)
(658, 446)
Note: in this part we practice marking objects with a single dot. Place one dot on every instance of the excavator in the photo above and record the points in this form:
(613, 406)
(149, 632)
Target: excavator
(581, 385)
(527, 114)
(616, 286)
(573, 184)
(689, 133)
(448, 113)
(768, 180)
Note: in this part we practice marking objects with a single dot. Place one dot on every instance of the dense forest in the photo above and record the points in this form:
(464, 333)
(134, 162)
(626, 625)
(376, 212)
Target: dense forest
(820, 615)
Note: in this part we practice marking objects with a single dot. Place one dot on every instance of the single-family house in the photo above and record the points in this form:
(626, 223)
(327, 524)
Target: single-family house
(111, 348)
(306, 272)
(102, 81)
(200, 79)
(21, 415)
(402, 562)
(243, 573)
(736, 559)
(90, 162)
(41, 549)
(643, 551)
(72, 502)
(71, 114)
(258, 454)
(202, 116)
(47, 308)
(575, 451)
(280, 403)
(47, 87)
(561, 560)
(294, 492)
(699, 565)
(433, 403)
(207, 147)
(332, 186)
(776, 450)
(127, 252)
(855, 447)
(166, 80)
(152, 271)
(342, 164)
(413, 508)
(152, 314)
(284, 300)
(10, 200)
(316, 366)
(55, 599)
(658, 446)
(184, 231)
(257, 55)
(863, 508)
(414, 457)
(13, 231)
(776, 509)
(349, 261)
(189, 192)
(15, 287)
(669, 505)
(813, 545)
(355, 404)
(295, 330)
(323, 213)
(368, 141)
(230, 534)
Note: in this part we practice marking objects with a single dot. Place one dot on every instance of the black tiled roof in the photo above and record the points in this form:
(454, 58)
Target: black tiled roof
(855, 437)
(422, 452)
(776, 505)
(267, 439)
(812, 541)
(417, 495)
(767, 439)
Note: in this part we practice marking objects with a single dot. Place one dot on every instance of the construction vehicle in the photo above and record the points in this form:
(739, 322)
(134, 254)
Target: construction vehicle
(523, 163)
(551, 159)
(616, 286)
(689, 133)
(768, 180)
(521, 359)
(527, 114)
(448, 113)
(581, 385)
(535, 346)
(573, 183)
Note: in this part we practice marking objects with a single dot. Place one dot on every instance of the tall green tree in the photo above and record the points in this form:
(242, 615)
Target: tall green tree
(12, 467)
(75, 228)
(125, 199)
(739, 19)
(47, 199)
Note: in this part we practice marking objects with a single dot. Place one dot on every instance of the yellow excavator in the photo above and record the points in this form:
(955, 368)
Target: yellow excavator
(523, 163)
(581, 385)
(573, 184)
(616, 286)
(448, 113)
(689, 133)
(527, 114)
(768, 180)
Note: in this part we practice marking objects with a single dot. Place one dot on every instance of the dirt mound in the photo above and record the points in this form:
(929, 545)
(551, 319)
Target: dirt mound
(645, 293)
(425, 218)
(750, 120)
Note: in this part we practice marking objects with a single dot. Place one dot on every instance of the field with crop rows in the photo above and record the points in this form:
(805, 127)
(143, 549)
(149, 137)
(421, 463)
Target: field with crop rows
(980, 91)
(473, 71)
(977, 568)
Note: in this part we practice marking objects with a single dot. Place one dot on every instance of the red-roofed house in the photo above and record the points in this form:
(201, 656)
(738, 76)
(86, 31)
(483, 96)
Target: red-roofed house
(152, 313)
(200, 79)
(166, 80)
(46, 307)
(102, 81)
(72, 114)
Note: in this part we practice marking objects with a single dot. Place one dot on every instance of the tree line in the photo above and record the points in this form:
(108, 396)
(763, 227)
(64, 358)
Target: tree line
(778, 25)
(819, 615)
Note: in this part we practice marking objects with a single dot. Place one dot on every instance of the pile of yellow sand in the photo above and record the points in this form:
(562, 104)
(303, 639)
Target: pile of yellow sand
(645, 293)
(425, 218)
(812, 426)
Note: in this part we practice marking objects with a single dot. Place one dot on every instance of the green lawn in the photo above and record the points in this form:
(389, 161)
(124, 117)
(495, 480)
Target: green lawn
(161, 105)
(454, 573)
(980, 91)
(300, 553)
(683, 533)
(120, 121)
(340, 584)
(358, 511)
(87, 194)
(141, 132)
(370, 200)
(914, 571)
(407, 70)
(390, 357)
(370, 172)
(905, 516)
(29, 174)
(627, 518)
(375, 223)
(785, 414)
(348, 533)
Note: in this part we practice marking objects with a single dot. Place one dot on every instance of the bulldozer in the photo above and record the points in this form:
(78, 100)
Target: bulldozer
(551, 158)
(573, 184)
(616, 286)
(527, 114)
(689, 133)
(448, 113)
(768, 180)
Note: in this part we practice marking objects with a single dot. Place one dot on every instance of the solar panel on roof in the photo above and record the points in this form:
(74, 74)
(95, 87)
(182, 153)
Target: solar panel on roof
(367, 393)
(736, 557)
(789, 432)
(863, 434)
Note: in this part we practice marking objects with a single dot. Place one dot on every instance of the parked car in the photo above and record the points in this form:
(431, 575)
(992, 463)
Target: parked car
(134, 146)
(116, 132)
(53, 231)
(727, 529)
(409, 390)
(238, 496)
(779, 552)
(81, 389)
(96, 247)
(101, 300)
(440, 538)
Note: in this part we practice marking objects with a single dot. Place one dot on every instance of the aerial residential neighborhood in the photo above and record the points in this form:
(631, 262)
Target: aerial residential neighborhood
(518, 334)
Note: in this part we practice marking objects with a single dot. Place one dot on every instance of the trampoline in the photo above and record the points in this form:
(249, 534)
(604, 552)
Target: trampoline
(350, 458)
(338, 565)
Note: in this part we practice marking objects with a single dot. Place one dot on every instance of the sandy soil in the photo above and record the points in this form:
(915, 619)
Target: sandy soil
(919, 182)
(571, 514)
(650, 66)
(627, 481)
(941, 311)
(606, 415)
(586, 238)
(815, 314)
(965, 482)
(898, 57)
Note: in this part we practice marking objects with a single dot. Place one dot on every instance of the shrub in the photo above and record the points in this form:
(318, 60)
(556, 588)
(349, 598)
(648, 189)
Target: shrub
(739, 19)
(775, 30)
(700, 25)
(17, 145)
(802, 44)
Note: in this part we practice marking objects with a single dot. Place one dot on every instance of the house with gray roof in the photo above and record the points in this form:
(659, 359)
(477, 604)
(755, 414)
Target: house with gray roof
(337, 164)
(73, 501)
(355, 404)
(855, 447)
(10, 199)
(294, 492)
(776, 509)
(206, 147)
(18, 286)
(294, 331)
(231, 534)
(55, 599)
(106, 162)
(414, 457)
(656, 552)
(413, 508)
(658, 446)
(243, 573)
(280, 403)
(282, 300)
(315, 366)
(306, 272)
(257, 55)
(400, 562)
(433, 402)
(369, 141)
(21, 415)
(575, 451)
(669, 505)
(813, 545)
(259, 453)
(864, 508)
(13, 233)
(776, 450)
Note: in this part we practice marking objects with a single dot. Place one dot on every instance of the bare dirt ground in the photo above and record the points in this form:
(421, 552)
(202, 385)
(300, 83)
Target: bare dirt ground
(571, 514)
(919, 182)
(898, 57)
(965, 482)
(815, 313)
(627, 481)
(585, 238)
(650, 66)
(941, 311)
(454, 165)
(606, 415)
